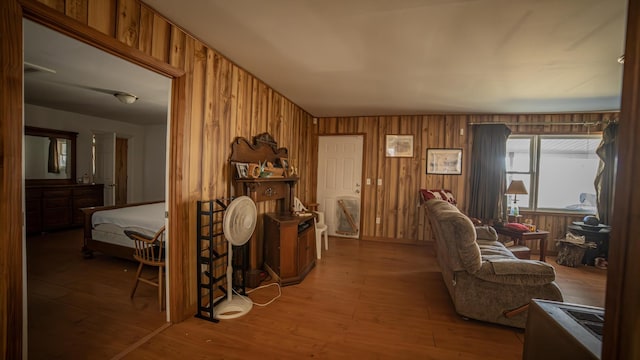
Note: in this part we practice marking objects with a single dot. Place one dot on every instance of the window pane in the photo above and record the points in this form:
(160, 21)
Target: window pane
(518, 158)
(523, 200)
(567, 169)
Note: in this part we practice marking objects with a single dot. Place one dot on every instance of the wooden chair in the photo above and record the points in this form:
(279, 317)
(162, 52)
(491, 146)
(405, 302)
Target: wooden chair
(149, 251)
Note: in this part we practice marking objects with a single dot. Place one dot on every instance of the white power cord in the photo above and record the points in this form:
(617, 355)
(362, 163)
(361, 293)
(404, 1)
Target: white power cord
(247, 299)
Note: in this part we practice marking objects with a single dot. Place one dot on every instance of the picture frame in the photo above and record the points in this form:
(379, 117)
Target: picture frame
(399, 146)
(444, 161)
(242, 170)
(284, 162)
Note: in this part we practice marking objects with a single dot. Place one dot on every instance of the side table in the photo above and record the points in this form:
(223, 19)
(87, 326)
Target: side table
(519, 238)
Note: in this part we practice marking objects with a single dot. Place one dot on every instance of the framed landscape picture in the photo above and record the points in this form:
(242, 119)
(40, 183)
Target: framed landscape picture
(399, 146)
(444, 161)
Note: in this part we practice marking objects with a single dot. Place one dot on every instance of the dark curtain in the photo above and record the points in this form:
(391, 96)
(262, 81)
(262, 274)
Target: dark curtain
(54, 157)
(606, 174)
(488, 171)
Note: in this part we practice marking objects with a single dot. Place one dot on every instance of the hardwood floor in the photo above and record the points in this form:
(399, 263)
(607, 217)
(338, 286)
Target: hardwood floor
(363, 299)
(80, 309)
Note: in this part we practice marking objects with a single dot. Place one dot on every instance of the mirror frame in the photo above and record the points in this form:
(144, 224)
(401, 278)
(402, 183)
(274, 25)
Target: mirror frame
(69, 135)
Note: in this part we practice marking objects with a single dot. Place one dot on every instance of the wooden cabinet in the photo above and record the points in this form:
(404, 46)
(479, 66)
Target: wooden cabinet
(53, 207)
(289, 247)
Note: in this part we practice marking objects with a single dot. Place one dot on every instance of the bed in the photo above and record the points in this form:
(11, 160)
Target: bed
(104, 227)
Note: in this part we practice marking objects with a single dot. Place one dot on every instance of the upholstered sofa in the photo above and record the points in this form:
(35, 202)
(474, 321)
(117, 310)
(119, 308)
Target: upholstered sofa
(485, 280)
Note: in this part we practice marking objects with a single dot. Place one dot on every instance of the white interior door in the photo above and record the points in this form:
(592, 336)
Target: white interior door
(106, 165)
(339, 183)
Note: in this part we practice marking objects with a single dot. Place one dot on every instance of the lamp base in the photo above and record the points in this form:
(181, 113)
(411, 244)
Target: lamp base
(515, 210)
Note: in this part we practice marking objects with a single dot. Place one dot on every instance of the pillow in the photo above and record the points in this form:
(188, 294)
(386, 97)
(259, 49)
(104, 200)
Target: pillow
(517, 227)
(448, 195)
(430, 194)
(445, 195)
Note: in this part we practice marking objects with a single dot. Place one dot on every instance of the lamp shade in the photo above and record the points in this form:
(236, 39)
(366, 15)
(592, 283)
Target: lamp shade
(516, 188)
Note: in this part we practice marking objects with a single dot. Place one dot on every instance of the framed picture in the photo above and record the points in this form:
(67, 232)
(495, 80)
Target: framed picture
(284, 162)
(444, 161)
(243, 170)
(399, 146)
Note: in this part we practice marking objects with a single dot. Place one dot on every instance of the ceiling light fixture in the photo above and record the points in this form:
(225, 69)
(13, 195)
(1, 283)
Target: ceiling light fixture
(125, 98)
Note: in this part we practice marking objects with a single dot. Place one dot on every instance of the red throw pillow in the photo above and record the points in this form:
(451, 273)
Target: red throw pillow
(517, 227)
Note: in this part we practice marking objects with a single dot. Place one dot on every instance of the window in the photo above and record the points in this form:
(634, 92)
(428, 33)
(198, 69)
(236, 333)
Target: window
(558, 171)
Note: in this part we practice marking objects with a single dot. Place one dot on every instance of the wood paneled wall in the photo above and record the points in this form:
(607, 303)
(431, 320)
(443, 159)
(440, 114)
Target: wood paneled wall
(397, 201)
(11, 182)
(216, 101)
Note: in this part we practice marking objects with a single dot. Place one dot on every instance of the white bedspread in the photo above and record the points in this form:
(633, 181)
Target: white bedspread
(150, 217)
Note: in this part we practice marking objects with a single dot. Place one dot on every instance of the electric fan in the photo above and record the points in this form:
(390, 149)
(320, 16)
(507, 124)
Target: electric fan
(238, 224)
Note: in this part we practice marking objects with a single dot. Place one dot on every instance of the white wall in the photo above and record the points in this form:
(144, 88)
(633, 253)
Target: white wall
(155, 149)
(86, 125)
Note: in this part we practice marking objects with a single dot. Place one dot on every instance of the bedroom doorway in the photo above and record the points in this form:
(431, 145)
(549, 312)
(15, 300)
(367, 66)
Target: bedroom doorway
(121, 170)
(64, 301)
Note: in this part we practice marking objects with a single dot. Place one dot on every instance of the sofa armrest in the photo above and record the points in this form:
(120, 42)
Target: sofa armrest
(516, 272)
(486, 233)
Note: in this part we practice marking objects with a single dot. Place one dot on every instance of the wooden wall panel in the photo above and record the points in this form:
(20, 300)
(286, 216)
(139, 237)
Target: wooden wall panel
(77, 9)
(101, 15)
(397, 201)
(145, 38)
(11, 184)
(57, 5)
(128, 22)
(219, 102)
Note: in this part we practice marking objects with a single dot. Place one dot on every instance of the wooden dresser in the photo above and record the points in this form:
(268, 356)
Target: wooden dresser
(290, 247)
(53, 207)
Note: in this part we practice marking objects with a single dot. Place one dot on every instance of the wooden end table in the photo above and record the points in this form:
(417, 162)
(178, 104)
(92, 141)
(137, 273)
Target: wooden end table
(519, 238)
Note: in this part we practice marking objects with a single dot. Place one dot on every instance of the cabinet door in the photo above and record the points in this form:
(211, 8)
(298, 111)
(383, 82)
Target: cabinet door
(288, 250)
(306, 250)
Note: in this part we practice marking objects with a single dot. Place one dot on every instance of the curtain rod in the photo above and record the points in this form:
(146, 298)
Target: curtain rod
(592, 123)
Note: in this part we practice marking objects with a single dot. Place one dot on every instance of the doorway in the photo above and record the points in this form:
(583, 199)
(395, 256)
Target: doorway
(340, 183)
(59, 295)
(121, 170)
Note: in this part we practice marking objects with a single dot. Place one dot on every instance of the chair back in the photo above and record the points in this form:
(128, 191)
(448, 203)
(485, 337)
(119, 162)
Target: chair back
(148, 250)
(320, 219)
(298, 206)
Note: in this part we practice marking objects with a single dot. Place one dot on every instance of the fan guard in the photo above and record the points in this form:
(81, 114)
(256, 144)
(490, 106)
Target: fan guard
(238, 225)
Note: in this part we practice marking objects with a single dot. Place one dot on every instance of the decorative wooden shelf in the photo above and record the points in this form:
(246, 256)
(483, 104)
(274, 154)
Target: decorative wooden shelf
(280, 189)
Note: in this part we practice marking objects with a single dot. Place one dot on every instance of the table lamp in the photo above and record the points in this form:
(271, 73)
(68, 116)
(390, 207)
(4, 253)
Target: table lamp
(516, 188)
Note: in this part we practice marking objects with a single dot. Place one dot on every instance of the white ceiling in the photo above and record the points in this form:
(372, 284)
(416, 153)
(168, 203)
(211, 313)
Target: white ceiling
(86, 78)
(375, 57)
(365, 57)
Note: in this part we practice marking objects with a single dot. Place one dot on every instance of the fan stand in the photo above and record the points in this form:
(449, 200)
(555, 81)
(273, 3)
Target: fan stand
(234, 305)
(238, 225)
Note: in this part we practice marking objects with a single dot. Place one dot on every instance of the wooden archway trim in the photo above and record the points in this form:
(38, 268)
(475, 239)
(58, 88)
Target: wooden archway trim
(42, 14)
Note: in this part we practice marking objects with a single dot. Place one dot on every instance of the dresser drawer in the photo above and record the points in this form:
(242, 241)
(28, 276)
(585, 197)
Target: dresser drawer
(56, 203)
(57, 193)
(88, 192)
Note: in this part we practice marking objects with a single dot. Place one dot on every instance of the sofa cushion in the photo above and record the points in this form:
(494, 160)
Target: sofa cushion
(511, 271)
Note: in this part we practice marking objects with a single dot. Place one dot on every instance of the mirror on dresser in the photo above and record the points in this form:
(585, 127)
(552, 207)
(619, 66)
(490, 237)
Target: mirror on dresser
(53, 195)
(49, 156)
